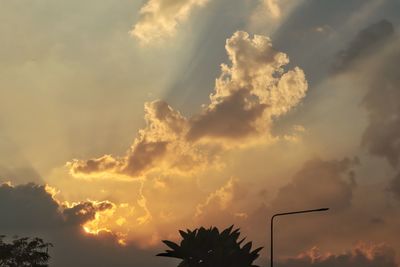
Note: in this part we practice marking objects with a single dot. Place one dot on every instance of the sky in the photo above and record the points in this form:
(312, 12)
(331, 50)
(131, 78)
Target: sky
(122, 122)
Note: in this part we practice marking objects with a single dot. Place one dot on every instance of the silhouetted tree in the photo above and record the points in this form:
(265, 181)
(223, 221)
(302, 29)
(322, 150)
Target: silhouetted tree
(211, 248)
(24, 252)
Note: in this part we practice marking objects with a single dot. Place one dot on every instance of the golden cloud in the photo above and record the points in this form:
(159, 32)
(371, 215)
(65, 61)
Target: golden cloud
(159, 19)
(251, 92)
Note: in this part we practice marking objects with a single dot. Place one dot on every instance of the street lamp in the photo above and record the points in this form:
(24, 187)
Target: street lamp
(282, 214)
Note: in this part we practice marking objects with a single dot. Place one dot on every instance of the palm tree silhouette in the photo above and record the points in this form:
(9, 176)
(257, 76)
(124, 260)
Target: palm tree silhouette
(209, 248)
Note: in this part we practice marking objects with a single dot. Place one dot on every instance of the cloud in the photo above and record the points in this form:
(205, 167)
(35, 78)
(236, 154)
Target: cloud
(160, 145)
(394, 186)
(99, 165)
(318, 183)
(29, 210)
(249, 95)
(238, 116)
(361, 255)
(221, 203)
(16, 206)
(375, 51)
(172, 152)
(366, 43)
(357, 212)
(382, 135)
(34, 208)
(159, 19)
(273, 7)
(335, 182)
(81, 213)
(270, 14)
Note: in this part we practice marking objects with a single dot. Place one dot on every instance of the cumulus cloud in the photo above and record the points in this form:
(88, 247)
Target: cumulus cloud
(366, 43)
(160, 144)
(251, 92)
(30, 210)
(159, 19)
(361, 255)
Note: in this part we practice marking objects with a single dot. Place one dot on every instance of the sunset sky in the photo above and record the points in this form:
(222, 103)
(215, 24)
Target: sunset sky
(122, 122)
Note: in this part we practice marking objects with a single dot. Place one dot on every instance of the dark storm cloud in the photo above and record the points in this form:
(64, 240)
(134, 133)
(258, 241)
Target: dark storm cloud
(27, 207)
(360, 256)
(30, 207)
(369, 41)
(28, 210)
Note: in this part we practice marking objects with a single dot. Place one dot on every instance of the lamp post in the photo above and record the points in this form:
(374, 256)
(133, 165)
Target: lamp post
(282, 214)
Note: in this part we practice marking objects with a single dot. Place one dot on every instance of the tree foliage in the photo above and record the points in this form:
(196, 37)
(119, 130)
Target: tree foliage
(211, 248)
(24, 252)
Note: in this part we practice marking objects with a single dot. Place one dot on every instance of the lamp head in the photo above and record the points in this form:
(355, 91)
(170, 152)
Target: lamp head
(323, 209)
